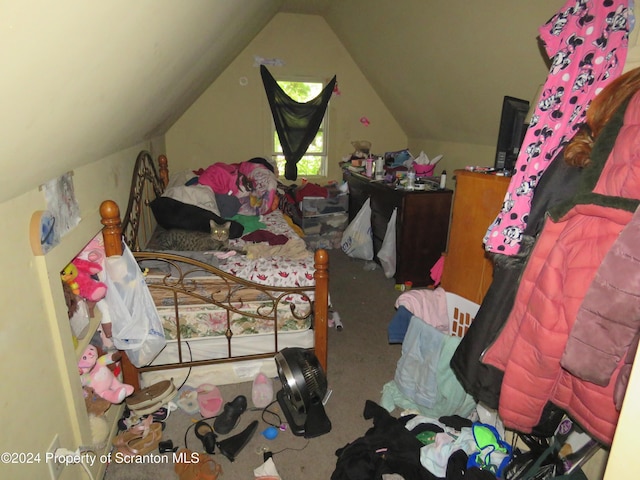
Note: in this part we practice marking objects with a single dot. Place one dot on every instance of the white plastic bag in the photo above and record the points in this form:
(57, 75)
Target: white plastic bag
(387, 253)
(136, 325)
(357, 241)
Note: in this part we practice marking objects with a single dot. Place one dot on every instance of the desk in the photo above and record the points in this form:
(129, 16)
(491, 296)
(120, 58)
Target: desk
(422, 223)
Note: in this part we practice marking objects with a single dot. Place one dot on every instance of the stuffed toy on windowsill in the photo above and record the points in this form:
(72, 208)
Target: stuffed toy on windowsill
(94, 373)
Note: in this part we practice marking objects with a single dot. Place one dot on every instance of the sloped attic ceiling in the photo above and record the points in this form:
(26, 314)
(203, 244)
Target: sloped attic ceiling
(82, 80)
(443, 67)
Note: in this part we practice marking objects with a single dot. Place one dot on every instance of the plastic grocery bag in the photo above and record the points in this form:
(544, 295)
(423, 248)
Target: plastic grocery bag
(387, 253)
(136, 325)
(357, 241)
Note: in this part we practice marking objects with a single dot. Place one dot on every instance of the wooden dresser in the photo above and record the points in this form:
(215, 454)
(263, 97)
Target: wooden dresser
(477, 200)
(421, 226)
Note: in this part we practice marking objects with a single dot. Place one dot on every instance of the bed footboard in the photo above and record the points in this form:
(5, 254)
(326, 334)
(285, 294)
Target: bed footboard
(225, 294)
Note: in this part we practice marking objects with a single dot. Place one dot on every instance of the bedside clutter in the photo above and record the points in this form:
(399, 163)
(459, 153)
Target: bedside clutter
(324, 218)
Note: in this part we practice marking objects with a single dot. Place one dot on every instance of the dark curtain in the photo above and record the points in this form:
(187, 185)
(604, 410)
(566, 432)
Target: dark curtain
(296, 123)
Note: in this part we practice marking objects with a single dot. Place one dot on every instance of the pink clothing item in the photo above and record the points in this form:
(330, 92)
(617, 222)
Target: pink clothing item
(587, 42)
(428, 305)
(436, 271)
(556, 279)
(221, 177)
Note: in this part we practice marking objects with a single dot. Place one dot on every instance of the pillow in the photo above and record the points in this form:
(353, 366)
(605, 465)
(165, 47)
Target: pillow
(171, 213)
(198, 195)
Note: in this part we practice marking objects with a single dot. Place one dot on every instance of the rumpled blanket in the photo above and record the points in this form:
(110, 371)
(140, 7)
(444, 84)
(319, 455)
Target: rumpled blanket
(293, 249)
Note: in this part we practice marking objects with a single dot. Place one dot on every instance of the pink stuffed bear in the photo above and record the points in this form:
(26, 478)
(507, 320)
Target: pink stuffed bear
(94, 373)
(78, 275)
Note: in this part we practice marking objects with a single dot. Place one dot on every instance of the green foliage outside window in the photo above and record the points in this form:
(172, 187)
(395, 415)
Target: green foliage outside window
(311, 164)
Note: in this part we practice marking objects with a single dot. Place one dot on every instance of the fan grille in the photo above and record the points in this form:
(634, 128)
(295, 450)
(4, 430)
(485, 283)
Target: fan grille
(302, 377)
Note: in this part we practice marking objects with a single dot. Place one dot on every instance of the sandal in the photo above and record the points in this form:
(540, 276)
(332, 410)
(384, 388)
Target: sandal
(136, 431)
(205, 433)
(227, 420)
(143, 444)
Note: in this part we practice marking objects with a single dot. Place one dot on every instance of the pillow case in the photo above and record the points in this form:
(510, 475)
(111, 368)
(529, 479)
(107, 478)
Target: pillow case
(171, 213)
(198, 195)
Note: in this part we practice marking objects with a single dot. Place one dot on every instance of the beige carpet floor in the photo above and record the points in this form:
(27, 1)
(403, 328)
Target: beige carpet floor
(360, 362)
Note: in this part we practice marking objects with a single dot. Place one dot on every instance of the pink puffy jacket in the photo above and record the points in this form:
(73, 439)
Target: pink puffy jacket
(556, 278)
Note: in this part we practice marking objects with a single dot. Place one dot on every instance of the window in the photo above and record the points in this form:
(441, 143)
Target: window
(314, 162)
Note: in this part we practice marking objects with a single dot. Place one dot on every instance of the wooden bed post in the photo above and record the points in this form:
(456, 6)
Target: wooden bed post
(112, 234)
(321, 306)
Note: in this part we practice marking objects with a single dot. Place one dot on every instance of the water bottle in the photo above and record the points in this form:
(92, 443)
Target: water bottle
(443, 180)
(411, 178)
(369, 167)
(379, 168)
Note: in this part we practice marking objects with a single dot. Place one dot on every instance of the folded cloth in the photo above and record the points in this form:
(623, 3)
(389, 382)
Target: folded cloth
(398, 326)
(311, 190)
(429, 305)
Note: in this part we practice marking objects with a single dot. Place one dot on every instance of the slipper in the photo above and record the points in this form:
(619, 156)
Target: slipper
(151, 395)
(262, 391)
(209, 400)
(227, 420)
(187, 399)
(205, 433)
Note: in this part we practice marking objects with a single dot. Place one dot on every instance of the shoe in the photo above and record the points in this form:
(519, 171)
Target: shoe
(205, 433)
(227, 420)
(193, 466)
(230, 447)
(136, 431)
(209, 400)
(143, 444)
(150, 396)
(262, 391)
(187, 400)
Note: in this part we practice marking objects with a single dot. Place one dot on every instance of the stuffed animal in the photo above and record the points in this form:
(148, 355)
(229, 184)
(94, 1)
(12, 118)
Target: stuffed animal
(94, 373)
(78, 276)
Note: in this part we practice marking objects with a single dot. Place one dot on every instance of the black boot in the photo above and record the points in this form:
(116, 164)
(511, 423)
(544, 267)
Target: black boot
(231, 446)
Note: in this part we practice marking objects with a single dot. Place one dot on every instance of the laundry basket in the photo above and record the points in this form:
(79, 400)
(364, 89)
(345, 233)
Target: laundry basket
(461, 313)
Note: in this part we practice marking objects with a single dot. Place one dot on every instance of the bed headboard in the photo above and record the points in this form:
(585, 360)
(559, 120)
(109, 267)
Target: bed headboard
(148, 182)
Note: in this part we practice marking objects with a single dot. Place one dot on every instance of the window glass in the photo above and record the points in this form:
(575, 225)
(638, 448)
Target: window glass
(313, 163)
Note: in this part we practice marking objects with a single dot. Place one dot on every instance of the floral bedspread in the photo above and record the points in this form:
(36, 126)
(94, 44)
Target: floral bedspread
(275, 271)
(207, 321)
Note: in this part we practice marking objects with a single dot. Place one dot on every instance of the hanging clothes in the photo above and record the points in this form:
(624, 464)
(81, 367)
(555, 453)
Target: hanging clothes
(587, 42)
(573, 243)
(296, 123)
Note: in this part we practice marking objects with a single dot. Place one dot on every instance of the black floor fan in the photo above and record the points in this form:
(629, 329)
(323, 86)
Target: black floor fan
(304, 386)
